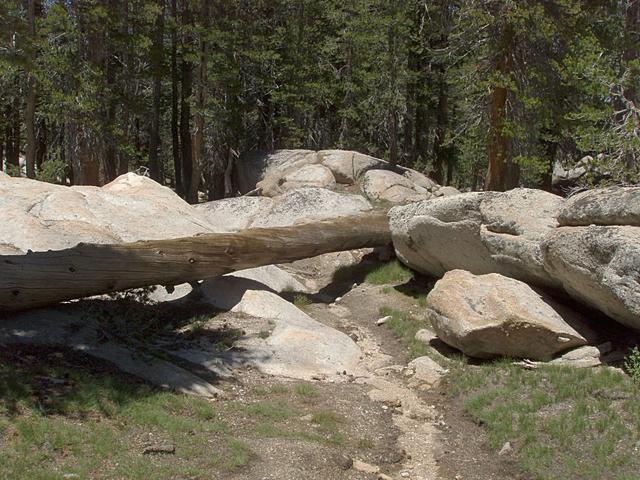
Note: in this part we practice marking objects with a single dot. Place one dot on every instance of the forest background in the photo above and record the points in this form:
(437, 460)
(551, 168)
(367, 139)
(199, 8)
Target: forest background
(479, 94)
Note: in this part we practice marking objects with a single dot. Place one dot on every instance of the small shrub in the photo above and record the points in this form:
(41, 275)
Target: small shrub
(632, 364)
(53, 171)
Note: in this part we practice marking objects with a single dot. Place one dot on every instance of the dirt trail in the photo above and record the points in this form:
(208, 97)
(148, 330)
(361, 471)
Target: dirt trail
(382, 371)
(440, 441)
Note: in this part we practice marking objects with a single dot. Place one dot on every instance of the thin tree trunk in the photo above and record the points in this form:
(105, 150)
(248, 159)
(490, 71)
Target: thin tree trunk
(175, 139)
(501, 174)
(12, 134)
(393, 146)
(41, 143)
(85, 139)
(442, 123)
(228, 174)
(393, 80)
(154, 134)
(421, 126)
(30, 113)
(186, 81)
(111, 165)
(201, 102)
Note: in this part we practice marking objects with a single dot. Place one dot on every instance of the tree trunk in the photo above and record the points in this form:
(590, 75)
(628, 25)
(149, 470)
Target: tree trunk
(442, 122)
(393, 146)
(30, 113)
(393, 80)
(12, 133)
(45, 278)
(186, 82)
(501, 174)
(41, 143)
(175, 139)
(201, 103)
(156, 66)
(85, 138)
(440, 152)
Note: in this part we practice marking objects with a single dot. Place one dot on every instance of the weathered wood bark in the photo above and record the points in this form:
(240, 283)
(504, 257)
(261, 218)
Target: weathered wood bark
(45, 278)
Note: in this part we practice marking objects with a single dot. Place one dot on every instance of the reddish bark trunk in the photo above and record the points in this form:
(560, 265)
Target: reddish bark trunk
(501, 174)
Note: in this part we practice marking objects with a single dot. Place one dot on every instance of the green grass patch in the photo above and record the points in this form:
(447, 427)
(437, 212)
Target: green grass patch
(563, 422)
(271, 409)
(306, 390)
(405, 327)
(238, 455)
(301, 301)
(59, 420)
(327, 420)
(422, 300)
(391, 272)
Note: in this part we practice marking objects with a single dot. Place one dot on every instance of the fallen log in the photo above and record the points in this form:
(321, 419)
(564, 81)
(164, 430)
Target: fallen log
(44, 278)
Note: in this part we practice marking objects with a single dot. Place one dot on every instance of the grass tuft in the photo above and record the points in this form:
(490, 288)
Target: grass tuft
(391, 272)
(238, 455)
(405, 327)
(306, 390)
(273, 410)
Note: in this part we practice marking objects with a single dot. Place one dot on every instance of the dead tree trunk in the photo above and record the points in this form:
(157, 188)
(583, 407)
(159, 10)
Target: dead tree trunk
(45, 278)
